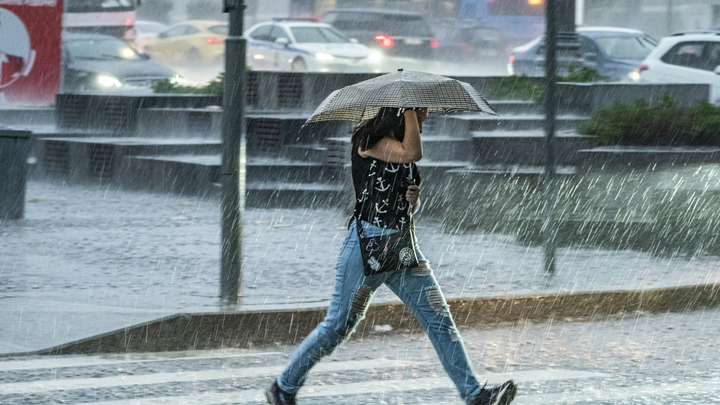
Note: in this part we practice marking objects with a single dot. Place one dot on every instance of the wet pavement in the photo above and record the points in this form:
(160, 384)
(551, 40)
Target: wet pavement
(661, 359)
(91, 259)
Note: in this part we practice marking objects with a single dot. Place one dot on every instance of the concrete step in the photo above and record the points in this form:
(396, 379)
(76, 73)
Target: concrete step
(619, 157)
(289, 171)
(528, 147)
(433, 170)
(514, 107)
(294, 195)
(27, 117)
(182, 174)
(462, 125)
(82, 159)
(304, 153)
(179, 122)
(447, 148)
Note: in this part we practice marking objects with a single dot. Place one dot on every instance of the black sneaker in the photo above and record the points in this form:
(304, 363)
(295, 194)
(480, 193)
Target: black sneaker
(276, 396)
(501, 394)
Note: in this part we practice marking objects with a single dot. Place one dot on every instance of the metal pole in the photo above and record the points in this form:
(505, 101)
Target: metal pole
(551, 102)
(233, 162)
(580, 13)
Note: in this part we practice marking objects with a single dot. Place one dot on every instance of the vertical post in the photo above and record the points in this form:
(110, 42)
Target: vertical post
(551, 39)
(580, 13)
(233, 161)
(14, 150)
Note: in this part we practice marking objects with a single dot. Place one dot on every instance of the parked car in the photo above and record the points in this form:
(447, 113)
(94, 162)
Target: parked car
(298, 45)
(396, 33)
(469, 41)
(190, 42)
(613, 52)
(686, 57)
(145, 30)
(95, 62)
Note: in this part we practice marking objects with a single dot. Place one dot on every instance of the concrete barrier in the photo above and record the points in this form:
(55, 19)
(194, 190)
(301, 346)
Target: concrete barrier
(203, 331)
(586, 98)
(14, 151)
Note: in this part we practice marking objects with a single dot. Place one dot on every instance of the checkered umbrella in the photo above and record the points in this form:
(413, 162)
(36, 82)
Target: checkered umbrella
(363, 100)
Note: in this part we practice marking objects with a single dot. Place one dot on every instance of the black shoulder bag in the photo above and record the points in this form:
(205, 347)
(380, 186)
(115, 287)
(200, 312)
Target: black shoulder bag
(387, 252)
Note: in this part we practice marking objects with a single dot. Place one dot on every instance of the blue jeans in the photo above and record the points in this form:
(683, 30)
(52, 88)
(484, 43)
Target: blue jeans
(416, 287)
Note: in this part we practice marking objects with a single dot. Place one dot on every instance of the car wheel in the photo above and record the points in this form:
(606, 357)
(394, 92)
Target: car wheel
(298, 65)
(193, 56)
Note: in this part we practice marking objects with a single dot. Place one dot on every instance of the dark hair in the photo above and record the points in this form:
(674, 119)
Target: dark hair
(387, 121)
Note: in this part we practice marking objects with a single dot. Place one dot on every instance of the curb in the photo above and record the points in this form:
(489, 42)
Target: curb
(203, 331)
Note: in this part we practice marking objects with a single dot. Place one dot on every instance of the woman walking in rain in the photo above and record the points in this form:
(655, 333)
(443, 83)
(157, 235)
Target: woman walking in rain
(386, 181)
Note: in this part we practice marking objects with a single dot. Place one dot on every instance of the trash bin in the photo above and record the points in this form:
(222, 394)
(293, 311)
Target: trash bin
(14, 150)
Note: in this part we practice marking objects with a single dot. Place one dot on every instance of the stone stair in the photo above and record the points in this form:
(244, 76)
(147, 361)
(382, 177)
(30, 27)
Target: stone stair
(291, 166)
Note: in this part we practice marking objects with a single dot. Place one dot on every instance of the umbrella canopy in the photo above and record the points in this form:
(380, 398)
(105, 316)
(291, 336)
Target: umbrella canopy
(363, 100)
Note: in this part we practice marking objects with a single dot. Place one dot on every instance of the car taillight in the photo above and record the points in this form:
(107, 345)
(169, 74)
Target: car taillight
(386, 41)
(642, 68)
(434, 44)
(512, 58)
(214, 41)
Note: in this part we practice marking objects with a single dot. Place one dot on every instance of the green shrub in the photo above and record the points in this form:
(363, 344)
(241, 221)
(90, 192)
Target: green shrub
(215, 87)
(663, 124)
(518, 88)
(533, 88)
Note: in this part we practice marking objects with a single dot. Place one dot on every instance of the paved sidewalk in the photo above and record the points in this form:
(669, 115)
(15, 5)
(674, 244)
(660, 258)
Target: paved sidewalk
(87, 260)
(640, 359)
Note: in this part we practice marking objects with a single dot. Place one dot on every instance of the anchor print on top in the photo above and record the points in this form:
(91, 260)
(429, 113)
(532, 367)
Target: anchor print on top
(379, 209)
(392, 169)
(372, 167)
(402, 222)
(401, 203)
(363, 196)
(382, 186)
(377, 222)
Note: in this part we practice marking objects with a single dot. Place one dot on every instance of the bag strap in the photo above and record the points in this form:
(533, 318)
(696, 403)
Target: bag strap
(357, 227)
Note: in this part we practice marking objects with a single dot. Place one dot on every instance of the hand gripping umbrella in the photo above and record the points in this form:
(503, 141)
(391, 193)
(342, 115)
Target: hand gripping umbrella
(362, 101)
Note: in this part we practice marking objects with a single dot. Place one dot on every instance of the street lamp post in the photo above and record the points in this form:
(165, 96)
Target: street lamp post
(233, 162)
(561, 51)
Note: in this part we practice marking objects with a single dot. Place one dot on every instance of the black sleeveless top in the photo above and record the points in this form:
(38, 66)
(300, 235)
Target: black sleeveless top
(380, 189)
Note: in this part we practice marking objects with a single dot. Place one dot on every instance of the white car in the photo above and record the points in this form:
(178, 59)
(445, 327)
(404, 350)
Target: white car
(298, 45)
(689, 57)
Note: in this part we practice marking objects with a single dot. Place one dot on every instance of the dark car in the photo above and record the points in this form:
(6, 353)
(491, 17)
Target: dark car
(469, 41)
(396, 33)
(97, 63)
(613, 52)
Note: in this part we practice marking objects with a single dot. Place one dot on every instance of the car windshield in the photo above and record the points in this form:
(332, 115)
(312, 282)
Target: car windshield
(101, 49)
(626, 47)
(405, 26)
(150, 28)
(323, 35)
(219, 29)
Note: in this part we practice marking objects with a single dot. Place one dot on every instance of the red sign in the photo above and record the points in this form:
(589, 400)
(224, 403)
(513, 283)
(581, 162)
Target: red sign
(30, 32)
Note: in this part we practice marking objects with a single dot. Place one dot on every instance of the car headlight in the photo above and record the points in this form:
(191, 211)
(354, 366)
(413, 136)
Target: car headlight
(375, 57)
(634, 76)
(324, 56)
(108, 81)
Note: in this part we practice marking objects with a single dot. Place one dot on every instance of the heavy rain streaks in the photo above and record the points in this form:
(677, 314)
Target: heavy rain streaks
(111, 232)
